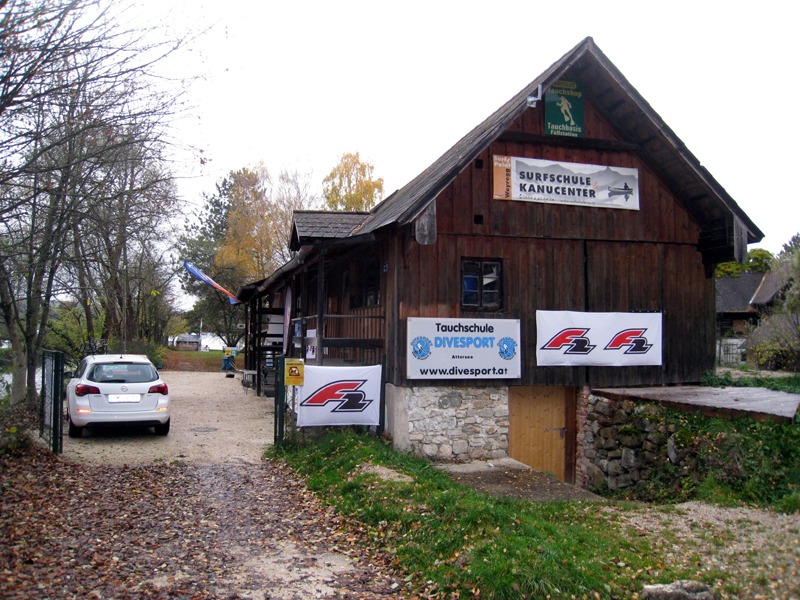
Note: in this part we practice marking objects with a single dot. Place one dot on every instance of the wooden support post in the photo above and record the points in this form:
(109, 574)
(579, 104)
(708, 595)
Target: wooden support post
(320, 307)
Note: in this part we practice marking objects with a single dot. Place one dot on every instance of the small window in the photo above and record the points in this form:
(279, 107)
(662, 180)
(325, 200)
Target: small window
(482, 283)
(364, 283)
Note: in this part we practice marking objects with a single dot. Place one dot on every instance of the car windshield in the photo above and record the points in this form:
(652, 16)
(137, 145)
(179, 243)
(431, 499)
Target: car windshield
(122, 373)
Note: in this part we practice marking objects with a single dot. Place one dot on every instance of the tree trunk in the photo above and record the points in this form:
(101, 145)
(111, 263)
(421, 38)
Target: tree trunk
(83, 286)
(32, 396)
(18, 377)
(18, 362)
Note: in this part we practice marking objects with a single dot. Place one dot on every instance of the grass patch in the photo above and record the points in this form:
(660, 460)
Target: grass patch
(790, 383)
(728, 461)
(789, 504)
(741, 460)
(192, 360)
(456, 542)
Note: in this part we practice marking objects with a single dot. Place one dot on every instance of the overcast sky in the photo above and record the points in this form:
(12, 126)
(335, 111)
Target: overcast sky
(296, 84)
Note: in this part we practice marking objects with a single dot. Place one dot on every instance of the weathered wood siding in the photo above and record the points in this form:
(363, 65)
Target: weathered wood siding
(341, 322)
(558, 257)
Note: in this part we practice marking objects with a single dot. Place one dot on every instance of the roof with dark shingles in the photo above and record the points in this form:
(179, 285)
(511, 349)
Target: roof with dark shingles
(619, 102)
(312, 225)
(734, 293)
(189, 337)
(774, 281)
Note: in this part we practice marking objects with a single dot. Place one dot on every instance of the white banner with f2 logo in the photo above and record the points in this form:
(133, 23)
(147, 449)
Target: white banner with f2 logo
(340, 396)
(569, 339)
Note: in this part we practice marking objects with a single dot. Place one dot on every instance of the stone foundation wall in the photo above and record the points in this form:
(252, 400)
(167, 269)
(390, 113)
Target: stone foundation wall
(458, 424)
(619, 441)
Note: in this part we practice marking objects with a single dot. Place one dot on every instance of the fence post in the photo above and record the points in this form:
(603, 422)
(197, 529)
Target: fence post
(280, 400)
(51, 413)
(382, 417)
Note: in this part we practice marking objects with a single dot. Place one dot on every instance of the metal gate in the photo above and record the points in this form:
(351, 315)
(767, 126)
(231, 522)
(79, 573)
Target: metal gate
(51, 415)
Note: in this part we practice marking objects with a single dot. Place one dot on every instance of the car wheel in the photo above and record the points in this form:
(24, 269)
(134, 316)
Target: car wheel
(162, 429)
(74, 430)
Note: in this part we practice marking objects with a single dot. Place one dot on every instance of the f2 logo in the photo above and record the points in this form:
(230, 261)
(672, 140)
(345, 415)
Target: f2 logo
(632, 339)
(574, 339)
(345, 393)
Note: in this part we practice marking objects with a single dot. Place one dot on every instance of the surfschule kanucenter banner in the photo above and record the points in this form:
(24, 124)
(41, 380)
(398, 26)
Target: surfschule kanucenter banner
(534, 180)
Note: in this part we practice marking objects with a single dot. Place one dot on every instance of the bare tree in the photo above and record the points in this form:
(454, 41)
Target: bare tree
(82, 122)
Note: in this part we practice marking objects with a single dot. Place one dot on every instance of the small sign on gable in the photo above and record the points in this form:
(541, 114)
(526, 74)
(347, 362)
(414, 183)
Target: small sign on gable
(563, 109)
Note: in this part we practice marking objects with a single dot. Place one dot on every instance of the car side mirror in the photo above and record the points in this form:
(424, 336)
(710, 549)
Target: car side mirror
(68, 374)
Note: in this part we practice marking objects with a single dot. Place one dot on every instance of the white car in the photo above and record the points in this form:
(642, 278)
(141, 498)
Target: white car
(117, 389)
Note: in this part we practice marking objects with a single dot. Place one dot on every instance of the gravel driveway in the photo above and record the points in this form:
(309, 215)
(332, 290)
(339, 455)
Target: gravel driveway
(215, 420)
(229, 524)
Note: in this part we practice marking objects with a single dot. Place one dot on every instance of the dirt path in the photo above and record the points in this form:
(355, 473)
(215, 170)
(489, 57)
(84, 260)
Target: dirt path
(200, 514)
(230, 524)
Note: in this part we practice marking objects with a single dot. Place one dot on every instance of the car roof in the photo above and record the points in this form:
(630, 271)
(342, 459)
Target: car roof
(107, 358)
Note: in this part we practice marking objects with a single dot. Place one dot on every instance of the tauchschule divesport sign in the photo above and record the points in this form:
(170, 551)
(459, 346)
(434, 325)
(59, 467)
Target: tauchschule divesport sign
(463, 348)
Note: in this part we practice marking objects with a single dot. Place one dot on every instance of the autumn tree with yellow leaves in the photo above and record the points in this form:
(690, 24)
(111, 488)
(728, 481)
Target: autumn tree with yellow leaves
(260, 218)
(350, 185)
(241, 235)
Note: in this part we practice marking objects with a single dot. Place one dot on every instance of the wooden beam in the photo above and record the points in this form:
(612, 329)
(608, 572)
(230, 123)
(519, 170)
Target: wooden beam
(321, 300)
(519, 137)
(425, 225)
(353, 343)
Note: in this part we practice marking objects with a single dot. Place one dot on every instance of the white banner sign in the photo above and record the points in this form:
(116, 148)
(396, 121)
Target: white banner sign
(567, 339)
(463, 348)
(340, 396)
(535, 180)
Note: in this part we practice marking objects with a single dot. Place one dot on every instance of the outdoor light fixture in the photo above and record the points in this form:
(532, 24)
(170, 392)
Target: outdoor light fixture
(533, 99)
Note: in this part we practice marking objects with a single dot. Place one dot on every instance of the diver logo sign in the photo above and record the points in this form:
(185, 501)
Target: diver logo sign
(340, 396)
(566, 338)
(463, 348)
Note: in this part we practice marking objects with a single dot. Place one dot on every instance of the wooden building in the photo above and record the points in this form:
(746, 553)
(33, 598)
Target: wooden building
(735, 315)
(188, 341)
(465, 240)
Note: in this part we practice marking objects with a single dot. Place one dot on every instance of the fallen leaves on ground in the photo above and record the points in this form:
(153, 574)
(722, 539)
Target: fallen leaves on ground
(175, 531)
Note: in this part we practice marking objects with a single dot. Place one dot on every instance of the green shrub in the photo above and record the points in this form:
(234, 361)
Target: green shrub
(711, 379)
(757, 462)
(14, 440)
(789, 504)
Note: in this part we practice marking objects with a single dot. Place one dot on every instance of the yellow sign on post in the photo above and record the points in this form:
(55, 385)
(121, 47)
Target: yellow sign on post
(293, 373)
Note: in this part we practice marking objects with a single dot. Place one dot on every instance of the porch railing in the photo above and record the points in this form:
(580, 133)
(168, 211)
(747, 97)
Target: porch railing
(343, 339)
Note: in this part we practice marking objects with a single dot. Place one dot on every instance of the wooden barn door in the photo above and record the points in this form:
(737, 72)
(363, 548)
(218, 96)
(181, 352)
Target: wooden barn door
(538, 427)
